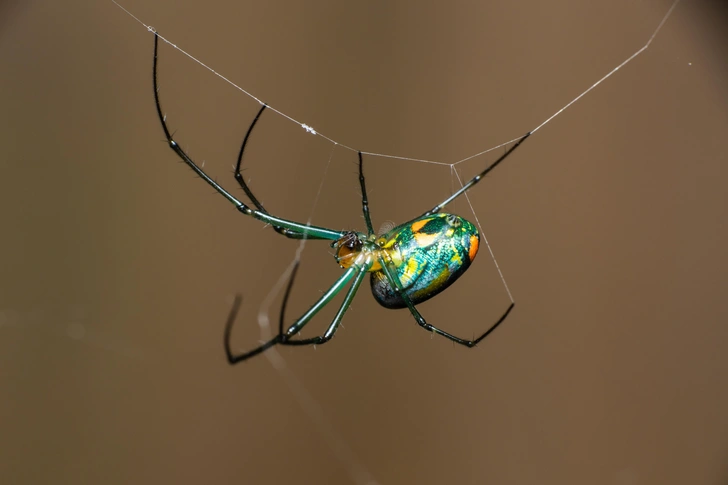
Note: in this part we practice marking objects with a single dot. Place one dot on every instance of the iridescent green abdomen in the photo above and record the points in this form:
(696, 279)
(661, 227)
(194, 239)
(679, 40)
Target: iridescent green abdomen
(428, 254)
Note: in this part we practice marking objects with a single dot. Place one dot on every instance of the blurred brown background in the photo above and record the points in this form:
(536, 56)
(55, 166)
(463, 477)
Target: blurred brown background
(119, 266)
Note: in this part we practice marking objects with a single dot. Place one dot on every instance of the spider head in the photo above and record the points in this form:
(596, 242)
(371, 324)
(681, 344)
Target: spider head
(348, 247)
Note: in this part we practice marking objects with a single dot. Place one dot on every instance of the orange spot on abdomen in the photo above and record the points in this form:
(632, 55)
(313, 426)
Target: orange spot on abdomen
(416, 226)
(474, 242)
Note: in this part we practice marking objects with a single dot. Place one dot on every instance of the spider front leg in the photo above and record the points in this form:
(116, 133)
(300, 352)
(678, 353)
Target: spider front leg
(289, 233)
(304, 230)
(397, 285)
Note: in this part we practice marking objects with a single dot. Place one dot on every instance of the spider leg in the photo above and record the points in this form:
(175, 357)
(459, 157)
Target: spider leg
(305, 230)
(477, 178)
(364, 199)
(334, 326)
(238, 175)
(232, 358)
(289, 233)
(285, 338)
(397, 285)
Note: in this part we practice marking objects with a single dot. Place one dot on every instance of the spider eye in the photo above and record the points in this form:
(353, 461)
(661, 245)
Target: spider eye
(353, 243)
(350, 241)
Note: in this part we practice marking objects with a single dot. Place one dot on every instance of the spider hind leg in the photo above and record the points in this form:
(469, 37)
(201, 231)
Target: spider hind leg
(397, 286)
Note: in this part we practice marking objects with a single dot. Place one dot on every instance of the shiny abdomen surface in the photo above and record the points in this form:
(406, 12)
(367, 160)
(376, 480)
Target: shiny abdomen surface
(428, 255)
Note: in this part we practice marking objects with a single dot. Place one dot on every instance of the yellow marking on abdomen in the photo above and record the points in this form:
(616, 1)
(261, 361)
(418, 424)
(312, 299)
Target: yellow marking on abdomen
(424, 240)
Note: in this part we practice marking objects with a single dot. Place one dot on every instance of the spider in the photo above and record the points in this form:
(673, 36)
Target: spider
(409, 264)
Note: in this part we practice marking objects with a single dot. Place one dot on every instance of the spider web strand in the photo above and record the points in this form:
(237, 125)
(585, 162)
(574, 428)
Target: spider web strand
(487, 244)
(309, 129)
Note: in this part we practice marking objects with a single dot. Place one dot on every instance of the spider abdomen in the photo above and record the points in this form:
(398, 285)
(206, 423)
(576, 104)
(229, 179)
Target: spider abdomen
(428, 255)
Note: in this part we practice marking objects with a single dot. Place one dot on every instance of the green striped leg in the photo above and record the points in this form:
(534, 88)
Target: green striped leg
(285, 338)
